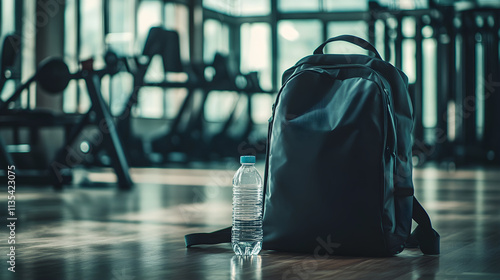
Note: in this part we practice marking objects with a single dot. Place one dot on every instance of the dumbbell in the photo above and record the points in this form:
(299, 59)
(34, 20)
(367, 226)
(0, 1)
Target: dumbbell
(53, 75)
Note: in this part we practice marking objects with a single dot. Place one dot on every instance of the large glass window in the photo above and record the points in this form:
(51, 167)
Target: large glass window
(490, 3)
(256, 51)
(254, 7)
(156, 102)
(239, 7)
(357, 28)
(216, 39)
(70, 97)
(296, 39)
(299, 5)
(220, 104)
(409, 48)
(149, 14)
(223, 6)
(7, 27)
(150, 99)
(121, 26)
(429, 46)
(91, 29)
(28, 46)
(340, 6)
(405, 4)
(480, 96)
(91, 43)
(7, 20)
(176, 18)
(256, 56)
(121, 40)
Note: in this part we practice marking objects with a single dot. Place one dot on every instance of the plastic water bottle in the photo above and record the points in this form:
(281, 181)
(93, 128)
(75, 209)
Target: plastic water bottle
(246, 237)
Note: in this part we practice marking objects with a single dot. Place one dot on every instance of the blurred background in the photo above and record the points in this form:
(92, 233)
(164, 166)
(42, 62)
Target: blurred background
(138, 83)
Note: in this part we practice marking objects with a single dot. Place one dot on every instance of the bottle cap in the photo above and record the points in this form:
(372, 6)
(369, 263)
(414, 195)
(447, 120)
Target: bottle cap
(247, 159)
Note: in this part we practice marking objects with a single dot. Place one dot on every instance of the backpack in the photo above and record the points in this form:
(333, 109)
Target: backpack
(338, 175)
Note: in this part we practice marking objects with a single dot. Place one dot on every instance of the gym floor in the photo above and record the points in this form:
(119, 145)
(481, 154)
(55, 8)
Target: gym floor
(94, 231)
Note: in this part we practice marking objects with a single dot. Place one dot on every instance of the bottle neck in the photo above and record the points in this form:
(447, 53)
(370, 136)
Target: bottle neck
(247, 164)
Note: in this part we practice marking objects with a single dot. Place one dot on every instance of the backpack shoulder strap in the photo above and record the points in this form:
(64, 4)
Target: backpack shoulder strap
(424, 236)
(219, 236)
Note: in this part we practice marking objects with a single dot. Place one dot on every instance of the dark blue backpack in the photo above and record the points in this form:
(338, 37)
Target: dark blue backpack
(338, 172)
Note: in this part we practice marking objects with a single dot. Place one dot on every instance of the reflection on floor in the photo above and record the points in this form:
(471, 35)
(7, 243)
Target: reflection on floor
(94, 231)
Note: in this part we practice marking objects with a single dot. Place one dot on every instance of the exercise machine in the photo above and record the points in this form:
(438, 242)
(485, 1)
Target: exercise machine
(53, 76)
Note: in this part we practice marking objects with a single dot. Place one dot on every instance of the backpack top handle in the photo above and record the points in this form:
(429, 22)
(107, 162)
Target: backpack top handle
(351, 39)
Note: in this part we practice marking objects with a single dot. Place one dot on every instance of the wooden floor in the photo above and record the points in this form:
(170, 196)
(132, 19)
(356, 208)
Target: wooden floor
(93, 231)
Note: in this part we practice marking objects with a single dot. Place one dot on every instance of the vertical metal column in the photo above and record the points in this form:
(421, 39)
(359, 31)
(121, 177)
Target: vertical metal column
(467, 105)
(234, 45)
(418, 131)
(274, 43)
(195, 9)
(324, 33)
(19, 17)
(371, 25)
(398, 43)
(105, 17)
(387, 41)
(445, 38)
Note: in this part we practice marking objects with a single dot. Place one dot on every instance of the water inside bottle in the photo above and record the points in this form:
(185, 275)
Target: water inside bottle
(247, 220)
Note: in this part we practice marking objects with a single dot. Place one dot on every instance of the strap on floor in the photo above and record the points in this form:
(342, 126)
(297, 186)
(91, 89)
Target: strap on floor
(424, 236)
(219, 236)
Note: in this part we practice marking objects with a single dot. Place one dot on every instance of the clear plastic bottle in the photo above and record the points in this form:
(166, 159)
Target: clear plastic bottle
(246, 237)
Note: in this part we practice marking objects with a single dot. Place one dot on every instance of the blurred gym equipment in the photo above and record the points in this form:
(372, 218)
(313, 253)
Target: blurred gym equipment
(164, 43)
(194, 140)
(9, 69)
(53, 76)
(187, 133)
(225, 143)
(466, 44)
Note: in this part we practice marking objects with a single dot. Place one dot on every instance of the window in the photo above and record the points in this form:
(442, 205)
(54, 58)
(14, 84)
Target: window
(156, 102)
(92, 29)
(7, 28)
(342, 6)
(239, 7)
(429, 92)
(256, 56)
(409, 48)
(7, 19)
(480, 94)
(223, 6)
(299, 5)
(296, 39)
(254, 7)
(356, 28)
(220, 104)
(91, 43)
(70, 95)
(176, 18)
(256, 51)
(149, 14)
(405, 4)
(120, 38)
(216, 39)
